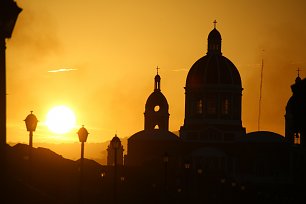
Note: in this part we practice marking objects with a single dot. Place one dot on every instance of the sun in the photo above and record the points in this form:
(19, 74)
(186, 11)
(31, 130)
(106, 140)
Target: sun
(60, 119)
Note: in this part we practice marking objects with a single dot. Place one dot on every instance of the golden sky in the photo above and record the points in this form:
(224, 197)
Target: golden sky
(112, 48)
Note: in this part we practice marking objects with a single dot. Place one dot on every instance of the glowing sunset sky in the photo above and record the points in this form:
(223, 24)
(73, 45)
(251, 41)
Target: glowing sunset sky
(106, 53)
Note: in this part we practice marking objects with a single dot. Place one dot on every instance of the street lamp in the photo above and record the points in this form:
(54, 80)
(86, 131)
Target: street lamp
(116, 145)
(9, 12)
(199, 180)
(187, 167)
(31, 124)
(166, 160)
(83, 134)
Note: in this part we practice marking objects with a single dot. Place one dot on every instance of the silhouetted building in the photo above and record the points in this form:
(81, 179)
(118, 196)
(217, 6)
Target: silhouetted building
(212, 139)
(115, 145)
(213, 160)
(295, 118)
(213, 97)
(155, 140)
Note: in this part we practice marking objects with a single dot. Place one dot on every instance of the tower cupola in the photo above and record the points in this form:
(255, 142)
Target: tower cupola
(214, 41)
(157, 81)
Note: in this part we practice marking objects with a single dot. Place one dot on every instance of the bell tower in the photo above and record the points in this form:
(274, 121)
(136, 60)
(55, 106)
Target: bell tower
(156, 109)
(295, 117)
(214, 41)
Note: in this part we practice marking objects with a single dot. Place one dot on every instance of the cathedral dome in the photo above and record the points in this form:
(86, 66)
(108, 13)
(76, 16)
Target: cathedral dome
(213, 69)
(213, 94)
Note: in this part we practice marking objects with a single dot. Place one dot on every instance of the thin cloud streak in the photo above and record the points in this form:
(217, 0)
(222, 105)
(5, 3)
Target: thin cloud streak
(61, 70)
(179, 70)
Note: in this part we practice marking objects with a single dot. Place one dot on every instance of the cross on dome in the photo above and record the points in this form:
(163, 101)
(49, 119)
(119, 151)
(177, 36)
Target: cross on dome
(298, 71)
(215, 24)
(298, 78)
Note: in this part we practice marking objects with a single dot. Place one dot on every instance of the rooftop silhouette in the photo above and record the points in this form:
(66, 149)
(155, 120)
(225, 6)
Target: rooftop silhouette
(212, 160)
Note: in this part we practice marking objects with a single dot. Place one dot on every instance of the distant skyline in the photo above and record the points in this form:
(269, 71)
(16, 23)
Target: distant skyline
(99, 58)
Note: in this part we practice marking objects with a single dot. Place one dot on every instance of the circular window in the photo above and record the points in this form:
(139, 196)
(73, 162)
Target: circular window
(156, 108)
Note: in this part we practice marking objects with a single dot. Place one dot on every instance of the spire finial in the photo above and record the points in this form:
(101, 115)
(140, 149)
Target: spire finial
(298, 71)
(157, 68)
(157, 81)
(298, 78)
(215, 24)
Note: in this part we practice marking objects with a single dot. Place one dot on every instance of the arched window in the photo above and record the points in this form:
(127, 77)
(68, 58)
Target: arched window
(199, 108)
(297, 138)
(211, 105)
(225, 106)
(156, 127)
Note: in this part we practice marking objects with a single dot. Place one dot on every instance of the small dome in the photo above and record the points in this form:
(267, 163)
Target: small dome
(157, 99)
(214, 42)
(214, 35)
(157, 77)
(213, 70)
(262, 137)
(115, 139)
(155, 134)
(298, 79)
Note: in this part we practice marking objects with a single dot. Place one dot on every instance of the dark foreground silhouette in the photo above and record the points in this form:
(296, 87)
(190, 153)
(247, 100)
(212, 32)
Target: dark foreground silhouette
(49, 178)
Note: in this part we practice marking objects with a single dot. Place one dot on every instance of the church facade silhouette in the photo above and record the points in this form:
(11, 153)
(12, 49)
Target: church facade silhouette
(212, 143)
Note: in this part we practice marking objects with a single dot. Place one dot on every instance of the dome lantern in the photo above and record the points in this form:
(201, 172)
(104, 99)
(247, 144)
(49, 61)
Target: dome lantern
(157, 81)
(214, 41)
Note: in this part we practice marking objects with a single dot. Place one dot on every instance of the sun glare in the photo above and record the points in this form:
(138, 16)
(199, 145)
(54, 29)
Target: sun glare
(60, 119)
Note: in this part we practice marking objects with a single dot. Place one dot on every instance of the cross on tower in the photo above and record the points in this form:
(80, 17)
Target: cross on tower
(298, 70)
(215, 23)
(157, 68)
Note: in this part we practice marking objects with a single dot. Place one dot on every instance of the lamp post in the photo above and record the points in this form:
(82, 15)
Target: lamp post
(199, 180)
(83, 134)
(166, 160)
(31, 124)
(187, 167)
(9, 12)
(116, 144)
